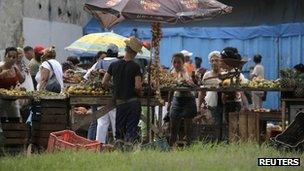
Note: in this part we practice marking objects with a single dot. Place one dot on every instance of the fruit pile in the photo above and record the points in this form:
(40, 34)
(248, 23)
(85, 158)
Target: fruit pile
(167, 80)
(261, 83)
(86, 90)
(71, 77)
(13, 92)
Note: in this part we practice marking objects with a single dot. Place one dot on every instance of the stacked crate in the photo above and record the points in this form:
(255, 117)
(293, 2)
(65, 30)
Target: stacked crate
(249, 125)
(16, 135)
(50, 116)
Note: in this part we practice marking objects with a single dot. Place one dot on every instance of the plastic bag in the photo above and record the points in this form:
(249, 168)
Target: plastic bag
(28, 83)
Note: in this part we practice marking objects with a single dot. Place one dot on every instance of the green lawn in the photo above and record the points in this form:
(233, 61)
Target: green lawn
(198, 157)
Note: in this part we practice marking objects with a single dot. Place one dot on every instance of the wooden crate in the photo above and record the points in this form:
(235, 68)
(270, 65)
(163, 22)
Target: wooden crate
(247, 125)
(53, 117)
(15, 133)
(54, 103)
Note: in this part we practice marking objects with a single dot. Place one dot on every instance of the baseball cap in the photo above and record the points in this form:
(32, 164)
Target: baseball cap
(113, 48)
(39, 49)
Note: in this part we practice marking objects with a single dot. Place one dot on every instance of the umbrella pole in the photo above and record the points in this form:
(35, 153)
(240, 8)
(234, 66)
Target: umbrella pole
(149, 96)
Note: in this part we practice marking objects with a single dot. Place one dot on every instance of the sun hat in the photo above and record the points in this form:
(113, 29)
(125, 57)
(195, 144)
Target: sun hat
(135, 44)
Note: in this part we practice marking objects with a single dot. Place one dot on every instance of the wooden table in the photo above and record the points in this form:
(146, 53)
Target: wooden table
(107, 104)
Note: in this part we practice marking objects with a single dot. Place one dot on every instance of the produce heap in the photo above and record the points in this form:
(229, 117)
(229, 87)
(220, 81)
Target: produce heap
(70, 76)
(261, 83)
(23, 93)
(167, 80)
(92, 86)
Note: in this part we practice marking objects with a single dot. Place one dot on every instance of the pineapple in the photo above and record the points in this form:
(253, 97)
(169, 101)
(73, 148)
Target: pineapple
(287, 78)
(299, 92)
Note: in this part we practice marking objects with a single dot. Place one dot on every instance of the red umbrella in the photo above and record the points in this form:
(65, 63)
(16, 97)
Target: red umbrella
(110, 12)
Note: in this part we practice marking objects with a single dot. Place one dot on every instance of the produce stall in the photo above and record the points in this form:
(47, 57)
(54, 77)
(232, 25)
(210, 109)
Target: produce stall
(55, 111)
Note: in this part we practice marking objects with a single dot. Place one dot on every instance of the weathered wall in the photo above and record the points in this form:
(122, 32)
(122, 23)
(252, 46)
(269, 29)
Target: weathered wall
(12, 13)
(64, 11)
(10, 23)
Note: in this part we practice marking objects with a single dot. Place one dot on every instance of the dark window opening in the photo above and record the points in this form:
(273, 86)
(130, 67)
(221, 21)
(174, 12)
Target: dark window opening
(59, 11)
(40, 6)
(69, 14)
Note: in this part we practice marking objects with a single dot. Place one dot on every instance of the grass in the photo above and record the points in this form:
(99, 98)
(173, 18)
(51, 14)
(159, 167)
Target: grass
(197, 157)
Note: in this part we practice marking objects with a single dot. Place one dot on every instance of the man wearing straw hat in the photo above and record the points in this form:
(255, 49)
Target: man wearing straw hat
(127, 86)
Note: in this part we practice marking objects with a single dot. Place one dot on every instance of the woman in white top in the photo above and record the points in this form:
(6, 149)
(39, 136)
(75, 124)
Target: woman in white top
(49, 67)
(212, 100)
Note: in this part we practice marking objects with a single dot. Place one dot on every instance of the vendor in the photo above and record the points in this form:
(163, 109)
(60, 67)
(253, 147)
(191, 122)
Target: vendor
(127, 84)
(213, 100)
(257, 73)
(233, 101)
(183, 105)
(10, 76)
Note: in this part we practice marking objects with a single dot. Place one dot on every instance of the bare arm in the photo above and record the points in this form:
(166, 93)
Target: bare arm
(106, 80)
(138, 84)
(4, 73)
(20, 76)
(44, 78)
(199, 102)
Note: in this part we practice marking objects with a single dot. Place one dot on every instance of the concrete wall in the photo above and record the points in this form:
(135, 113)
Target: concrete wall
(64, 11)
(49, 34)
(12, 13)
(10, 23)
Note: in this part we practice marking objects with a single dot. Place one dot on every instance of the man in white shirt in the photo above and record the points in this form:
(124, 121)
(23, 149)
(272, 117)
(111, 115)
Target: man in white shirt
(257, 73)
(103, 122)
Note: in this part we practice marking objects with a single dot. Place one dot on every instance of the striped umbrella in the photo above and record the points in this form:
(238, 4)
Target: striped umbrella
(90, 44)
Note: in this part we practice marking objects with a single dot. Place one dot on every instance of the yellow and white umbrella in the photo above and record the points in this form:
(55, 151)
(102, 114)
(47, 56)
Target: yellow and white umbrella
(90, 44)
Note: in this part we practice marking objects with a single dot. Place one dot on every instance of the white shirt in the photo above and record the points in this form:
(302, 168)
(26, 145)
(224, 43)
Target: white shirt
(57, 70)
(258, 71)
(100, 64)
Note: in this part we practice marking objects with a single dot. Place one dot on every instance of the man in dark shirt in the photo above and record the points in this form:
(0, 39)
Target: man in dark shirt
(127, 86)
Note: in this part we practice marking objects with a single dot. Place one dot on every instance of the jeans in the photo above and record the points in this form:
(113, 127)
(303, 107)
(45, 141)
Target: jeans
(93, 127)
(127, 119)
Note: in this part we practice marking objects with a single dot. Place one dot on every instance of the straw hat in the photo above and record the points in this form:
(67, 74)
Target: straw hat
(134, 44)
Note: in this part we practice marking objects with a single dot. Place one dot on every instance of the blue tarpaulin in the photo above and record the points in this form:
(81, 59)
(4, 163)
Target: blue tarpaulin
(274, 29)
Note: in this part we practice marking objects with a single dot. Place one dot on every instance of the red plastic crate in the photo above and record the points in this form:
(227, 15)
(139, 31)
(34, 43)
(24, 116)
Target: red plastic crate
(67, 139)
